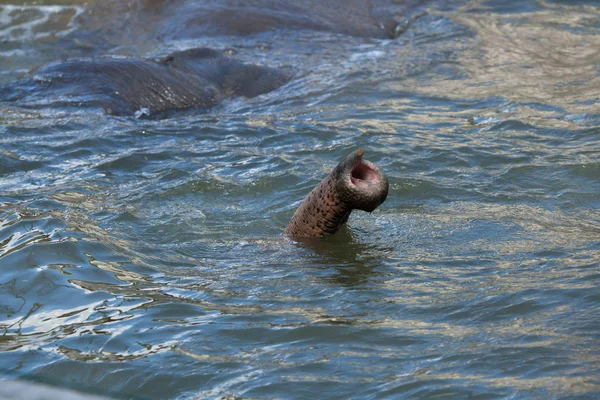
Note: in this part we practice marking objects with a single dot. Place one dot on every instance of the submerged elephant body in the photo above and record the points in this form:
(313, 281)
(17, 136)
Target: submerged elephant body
(196, 78)
(189, 19)
(354, 183)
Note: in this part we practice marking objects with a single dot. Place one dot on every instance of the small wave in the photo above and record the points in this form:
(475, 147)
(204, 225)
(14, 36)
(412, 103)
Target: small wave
(25, 23)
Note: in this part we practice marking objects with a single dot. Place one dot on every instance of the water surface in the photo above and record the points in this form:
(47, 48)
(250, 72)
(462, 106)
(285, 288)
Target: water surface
(144, 258)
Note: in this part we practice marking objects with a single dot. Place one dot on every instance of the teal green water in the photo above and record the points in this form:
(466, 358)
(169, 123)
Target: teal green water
(144, 258)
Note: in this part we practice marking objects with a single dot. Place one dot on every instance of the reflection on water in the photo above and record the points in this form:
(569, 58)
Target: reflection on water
(25, 22)
(128, 244)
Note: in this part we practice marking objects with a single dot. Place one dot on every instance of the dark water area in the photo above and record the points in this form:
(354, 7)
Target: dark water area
(145, 259)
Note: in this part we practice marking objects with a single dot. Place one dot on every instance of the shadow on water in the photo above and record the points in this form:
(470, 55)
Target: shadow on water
(356, 258)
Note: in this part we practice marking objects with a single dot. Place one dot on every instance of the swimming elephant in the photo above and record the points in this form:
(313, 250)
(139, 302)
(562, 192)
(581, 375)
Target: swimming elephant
(354, 183)
(188, 19)
(197, 78)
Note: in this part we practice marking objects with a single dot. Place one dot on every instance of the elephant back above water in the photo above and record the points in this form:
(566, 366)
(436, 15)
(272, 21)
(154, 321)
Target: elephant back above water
(194, 78)
(189, 19)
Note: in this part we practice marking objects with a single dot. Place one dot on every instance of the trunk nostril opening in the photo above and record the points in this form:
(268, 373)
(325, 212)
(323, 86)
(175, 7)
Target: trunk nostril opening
(363, 176)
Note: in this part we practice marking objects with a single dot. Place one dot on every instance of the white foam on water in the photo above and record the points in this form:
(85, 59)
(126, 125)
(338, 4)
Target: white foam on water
(369, 55)
(144, 111)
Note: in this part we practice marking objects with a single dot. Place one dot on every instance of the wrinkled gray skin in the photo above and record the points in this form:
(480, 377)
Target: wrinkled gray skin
(196, 78)
(353, 184)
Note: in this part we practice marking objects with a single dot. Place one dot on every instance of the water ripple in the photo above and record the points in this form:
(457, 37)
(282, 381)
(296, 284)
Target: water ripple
(128, 244)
